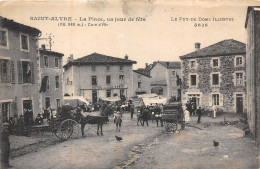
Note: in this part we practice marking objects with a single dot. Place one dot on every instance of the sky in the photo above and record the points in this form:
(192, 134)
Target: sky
(159, 37)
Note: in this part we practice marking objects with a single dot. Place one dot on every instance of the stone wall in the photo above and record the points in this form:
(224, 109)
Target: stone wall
(227, 87)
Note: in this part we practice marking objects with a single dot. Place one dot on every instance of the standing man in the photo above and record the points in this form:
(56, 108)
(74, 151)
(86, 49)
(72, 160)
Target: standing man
(199, 113)
(5, 146)
(132, 110)
(145, 116)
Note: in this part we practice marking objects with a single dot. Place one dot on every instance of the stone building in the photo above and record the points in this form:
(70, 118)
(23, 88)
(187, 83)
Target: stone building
(215, 76)
(252, 26)
(165, 79)
(51, 90)
(97, 76)
(141, 81)
(19, 65)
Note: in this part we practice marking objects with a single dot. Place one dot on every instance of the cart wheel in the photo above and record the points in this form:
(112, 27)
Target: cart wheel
(69, 128)
(75, 130)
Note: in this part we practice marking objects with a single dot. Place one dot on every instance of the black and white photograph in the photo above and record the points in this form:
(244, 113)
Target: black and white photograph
(130, 84)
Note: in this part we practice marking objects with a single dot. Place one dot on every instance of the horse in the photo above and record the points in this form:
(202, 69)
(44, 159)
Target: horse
(99, 120)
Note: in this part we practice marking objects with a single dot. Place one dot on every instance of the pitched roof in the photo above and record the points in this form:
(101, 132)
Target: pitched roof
(48, 52)
(225, 47)
(169, 65)
(11, 24)
(96, 58)
(142, 71)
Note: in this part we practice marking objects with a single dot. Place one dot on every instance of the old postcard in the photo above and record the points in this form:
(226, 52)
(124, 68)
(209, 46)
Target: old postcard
(130, 84)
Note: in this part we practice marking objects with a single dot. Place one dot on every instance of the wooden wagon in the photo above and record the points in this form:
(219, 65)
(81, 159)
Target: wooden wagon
(172, 116)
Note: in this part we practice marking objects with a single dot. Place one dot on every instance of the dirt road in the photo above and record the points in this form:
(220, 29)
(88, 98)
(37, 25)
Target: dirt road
(148, 147)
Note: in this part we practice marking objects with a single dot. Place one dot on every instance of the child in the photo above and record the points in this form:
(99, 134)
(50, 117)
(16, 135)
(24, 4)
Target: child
(118, 121)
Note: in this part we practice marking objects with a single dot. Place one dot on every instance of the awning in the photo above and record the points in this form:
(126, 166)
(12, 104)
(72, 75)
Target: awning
(147, 95)
(75, 100)
(111, 99)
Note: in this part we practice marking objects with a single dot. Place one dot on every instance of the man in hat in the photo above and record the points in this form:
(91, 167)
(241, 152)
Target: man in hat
(5, 146)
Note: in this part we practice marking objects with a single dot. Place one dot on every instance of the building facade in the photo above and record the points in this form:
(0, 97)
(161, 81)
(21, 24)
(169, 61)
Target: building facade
(215, 76)
(141, 81)
(98, 76)
(252, 26)
(19, 64)
(51, 90)
(165, 79)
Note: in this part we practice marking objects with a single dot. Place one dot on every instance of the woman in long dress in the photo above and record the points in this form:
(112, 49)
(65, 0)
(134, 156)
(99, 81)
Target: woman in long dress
(186, 114)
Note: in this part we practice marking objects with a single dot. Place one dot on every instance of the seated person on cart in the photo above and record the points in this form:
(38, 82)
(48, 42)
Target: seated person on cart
(38, 119)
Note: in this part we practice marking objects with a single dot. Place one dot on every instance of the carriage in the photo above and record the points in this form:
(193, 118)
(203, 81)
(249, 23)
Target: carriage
(172, 116)
(69, 122)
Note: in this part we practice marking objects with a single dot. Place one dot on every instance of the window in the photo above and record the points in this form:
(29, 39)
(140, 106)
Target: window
(173, 73)
(121, 68)
(94, 80)
(57, 82)
(3, 38)
(139, 84)
(239, 79)
(24, 42)
(139, 76)
(4, 71)
(121, 79)
(47, 102)
(215, 98)
(93, 68)
(215, 63)
(108, 93)
(56, 62)
(26, 72)
(46, 61)
(48, 83)
(192, 64)
(122, 91)
(6, 111)
(215, 79)
(58, 103)
(108, 79)
(107, 68)
(193, 80)
(239, 60)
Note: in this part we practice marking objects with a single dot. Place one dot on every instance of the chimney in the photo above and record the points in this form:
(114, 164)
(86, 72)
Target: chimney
(197, 46)
(146, 65)
(71, 57)
(167, 64)
(126, 57)
(43, 46)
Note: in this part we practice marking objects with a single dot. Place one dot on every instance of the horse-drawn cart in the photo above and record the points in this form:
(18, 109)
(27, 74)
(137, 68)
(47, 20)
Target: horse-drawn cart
(64, 128)
(172, 116)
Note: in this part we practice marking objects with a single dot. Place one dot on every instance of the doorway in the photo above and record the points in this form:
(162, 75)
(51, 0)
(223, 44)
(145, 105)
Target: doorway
(94, 96)
(239, 103)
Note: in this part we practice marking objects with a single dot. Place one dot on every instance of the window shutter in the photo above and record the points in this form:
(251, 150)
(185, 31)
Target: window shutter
(1, 112)
(220, 99)
(20, 72)
(1, 69)
(14, 107)
(32, 73)
(12, 72)
(8, 77)
(210, 100)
